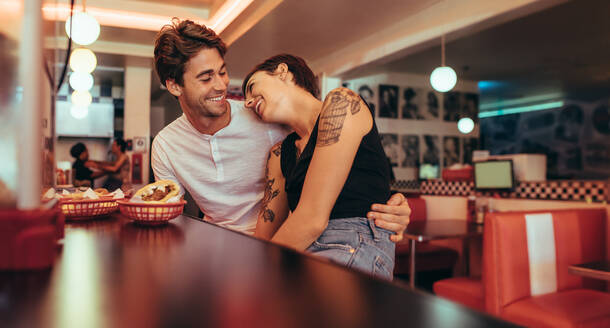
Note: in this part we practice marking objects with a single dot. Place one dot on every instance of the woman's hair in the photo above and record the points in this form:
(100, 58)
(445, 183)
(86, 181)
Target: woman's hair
(180, 41)
(121, 143)
(303, 76)
(77, 149)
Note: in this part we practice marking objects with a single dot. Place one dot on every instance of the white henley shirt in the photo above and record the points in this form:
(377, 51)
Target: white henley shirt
(224, 172)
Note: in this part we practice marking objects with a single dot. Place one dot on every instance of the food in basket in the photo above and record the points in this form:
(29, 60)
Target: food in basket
(160, 192)
(65, 195)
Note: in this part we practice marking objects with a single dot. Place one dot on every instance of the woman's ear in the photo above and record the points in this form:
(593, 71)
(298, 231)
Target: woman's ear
(282, 70)
(173, 87)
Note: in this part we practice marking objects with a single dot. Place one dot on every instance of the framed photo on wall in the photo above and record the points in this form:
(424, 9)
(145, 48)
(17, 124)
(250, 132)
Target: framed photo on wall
(410, 146)
(388, 101)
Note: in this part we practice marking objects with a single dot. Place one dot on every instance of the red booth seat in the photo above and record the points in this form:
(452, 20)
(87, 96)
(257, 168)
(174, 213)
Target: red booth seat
(464, 290)
(525, 266)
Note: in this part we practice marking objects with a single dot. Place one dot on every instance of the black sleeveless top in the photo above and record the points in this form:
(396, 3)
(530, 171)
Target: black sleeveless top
(368, 181)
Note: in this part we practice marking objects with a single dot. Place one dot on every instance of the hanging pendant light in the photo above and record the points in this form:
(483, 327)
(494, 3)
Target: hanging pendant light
(83, 60)
(85, 28)
(81, 98)
(465, 125)
(81, 81)
(79, 112)
(443, 78)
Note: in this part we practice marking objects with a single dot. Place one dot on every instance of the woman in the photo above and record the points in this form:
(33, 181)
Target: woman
(323, 178)
(118, 171)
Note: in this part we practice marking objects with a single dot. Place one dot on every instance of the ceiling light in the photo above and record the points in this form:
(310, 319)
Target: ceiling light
(83, 60)
(81, 81)
(81, 98)
(79, 112)
(465, 125)
(443, 78)
(85, 28)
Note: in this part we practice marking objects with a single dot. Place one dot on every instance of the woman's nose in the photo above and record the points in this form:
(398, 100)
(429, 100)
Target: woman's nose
(250, 102)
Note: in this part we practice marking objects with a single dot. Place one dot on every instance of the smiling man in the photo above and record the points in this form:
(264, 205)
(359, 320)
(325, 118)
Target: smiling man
(217, 150)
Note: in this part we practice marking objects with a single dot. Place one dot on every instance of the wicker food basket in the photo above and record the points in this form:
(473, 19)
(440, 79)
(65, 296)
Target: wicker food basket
(88, 208)
(151, 214)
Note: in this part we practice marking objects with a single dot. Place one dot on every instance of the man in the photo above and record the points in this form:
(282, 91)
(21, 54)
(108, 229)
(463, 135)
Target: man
(217, 150)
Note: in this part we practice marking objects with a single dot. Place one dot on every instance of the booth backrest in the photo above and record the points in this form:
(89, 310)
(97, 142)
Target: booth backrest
(418, 209)
(528, 253)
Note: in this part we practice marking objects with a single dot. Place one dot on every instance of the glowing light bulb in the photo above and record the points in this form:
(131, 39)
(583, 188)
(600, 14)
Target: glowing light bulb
(81, 81)
(81, 98)
(465, 125)
(85, 28)
(83, 60)
(443, 78)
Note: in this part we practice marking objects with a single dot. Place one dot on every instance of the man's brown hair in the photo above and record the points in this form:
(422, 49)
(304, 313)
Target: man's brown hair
(178, 42)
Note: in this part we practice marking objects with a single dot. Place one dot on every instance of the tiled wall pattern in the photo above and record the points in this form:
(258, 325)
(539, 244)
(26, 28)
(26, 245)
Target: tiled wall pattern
(572, 190)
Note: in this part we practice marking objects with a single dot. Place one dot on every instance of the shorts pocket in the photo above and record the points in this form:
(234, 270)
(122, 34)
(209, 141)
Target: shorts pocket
(382, 267)
(346, 240)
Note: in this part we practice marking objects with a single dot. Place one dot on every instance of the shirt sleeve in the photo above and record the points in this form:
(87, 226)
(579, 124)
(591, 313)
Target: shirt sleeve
(161, 165)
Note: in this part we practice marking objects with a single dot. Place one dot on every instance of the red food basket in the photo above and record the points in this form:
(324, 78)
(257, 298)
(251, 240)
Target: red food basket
(151, 214)
(88, 208)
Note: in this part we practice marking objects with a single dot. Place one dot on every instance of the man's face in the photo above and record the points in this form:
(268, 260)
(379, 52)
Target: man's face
(205, 82)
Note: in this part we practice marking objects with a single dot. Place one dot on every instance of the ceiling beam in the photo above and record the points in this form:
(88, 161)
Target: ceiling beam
(249, 17)
(107, 47)
(446, 16)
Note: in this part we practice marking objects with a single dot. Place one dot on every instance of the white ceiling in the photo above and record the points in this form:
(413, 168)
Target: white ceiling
(313, 29)
(563, 49)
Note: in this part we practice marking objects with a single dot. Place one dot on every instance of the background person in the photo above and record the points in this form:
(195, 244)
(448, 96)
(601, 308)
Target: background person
(83, 176)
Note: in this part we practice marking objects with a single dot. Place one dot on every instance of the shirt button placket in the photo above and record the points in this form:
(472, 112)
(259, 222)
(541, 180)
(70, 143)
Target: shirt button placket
(217, 159)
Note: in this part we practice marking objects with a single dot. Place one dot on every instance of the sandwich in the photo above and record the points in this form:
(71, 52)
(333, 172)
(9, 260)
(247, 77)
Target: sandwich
(162, 191)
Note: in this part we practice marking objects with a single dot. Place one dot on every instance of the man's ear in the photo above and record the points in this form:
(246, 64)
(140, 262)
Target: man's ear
(173, 87)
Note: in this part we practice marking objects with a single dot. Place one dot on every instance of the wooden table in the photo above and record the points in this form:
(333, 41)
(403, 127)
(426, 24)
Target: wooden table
(596, 270)
(112, 273)
(419, 231)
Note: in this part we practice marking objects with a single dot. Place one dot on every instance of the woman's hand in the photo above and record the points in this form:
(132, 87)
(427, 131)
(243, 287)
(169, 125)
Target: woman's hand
(393, 216)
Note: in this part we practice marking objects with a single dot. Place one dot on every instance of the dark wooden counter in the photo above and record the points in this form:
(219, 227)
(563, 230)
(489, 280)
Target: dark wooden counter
(112, 273)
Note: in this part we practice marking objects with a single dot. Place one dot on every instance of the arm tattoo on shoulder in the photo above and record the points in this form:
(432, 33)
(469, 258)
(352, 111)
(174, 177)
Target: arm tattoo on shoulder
(333, 115)
(270, 194)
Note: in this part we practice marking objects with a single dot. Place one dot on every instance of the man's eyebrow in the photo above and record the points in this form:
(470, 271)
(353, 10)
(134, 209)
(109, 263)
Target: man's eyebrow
(209, 71)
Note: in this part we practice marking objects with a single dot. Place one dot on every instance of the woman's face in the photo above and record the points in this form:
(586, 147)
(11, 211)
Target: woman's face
(266, 95)
(115, 147)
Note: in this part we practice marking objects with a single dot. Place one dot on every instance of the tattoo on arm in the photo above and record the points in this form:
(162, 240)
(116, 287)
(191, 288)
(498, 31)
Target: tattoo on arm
(333, 115)
(277, 150)
(270, 194)
(268, 215)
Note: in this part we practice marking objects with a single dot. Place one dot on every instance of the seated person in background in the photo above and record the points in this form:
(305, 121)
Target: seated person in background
(82, 175)
(323, 178)
(118, 171)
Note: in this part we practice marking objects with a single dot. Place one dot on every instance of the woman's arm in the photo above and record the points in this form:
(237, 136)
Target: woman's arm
(114, 167)
(341, 128)
(274, 209)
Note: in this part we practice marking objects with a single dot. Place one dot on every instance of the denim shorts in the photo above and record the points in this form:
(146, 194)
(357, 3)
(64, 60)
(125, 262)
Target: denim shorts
(357, 243)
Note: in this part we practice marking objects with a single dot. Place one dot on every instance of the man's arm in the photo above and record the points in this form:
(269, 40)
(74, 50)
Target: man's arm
(393, 216)
(161, 165)
(274, 209)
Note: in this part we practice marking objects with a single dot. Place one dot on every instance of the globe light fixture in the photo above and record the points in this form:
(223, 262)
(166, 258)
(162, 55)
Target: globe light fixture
(443, 78)
(81, 81)
(81, 98)
(85, 28)
(79, 112)
(83, 60)
(465, 125)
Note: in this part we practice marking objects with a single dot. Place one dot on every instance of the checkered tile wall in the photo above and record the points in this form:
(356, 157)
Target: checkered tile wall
(595, 191)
